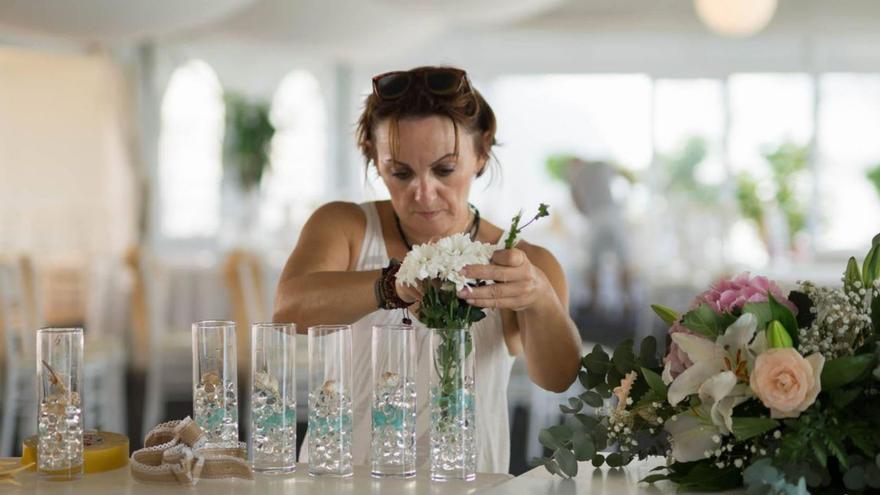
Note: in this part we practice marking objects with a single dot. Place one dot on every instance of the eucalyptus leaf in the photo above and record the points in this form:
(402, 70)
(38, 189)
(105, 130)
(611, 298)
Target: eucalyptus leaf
(561, 433)
(547, 439)
(614, 460)
(648, 352)
(592, 399)
(624, 358)
(598, 460)
(584, 448)
(854, 478)
(567, 462)
(597, 361)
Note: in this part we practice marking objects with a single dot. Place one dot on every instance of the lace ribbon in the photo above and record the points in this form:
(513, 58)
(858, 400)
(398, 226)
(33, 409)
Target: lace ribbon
(175, 452)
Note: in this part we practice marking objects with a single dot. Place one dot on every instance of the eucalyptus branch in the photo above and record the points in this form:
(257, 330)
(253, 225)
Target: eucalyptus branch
(515, 229)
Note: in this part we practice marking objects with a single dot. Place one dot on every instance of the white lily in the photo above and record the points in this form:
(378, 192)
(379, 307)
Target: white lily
(719, 376)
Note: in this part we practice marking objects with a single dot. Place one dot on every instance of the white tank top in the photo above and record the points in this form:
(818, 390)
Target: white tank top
(492, 360)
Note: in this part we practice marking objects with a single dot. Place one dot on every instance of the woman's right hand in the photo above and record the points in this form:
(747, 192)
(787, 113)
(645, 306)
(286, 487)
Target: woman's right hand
(409, 294)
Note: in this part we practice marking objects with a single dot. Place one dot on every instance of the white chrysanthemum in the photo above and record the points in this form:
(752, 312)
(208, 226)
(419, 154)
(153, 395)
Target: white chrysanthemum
(443, 259)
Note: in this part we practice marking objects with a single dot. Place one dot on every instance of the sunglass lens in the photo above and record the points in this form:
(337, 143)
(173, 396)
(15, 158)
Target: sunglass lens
(442, 82)
(393, 85)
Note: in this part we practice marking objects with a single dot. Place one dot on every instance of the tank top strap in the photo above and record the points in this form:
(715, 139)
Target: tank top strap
(373, 253)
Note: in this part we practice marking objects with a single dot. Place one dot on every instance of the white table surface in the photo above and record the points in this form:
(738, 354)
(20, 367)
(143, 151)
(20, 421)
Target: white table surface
(590, 480)
(119, 482)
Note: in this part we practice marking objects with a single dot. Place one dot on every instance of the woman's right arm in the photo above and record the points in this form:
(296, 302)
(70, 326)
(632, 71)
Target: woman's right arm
(316, 286)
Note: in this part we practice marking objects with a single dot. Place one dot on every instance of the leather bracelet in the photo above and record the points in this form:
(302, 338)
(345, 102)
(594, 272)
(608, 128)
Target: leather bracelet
(386, 290)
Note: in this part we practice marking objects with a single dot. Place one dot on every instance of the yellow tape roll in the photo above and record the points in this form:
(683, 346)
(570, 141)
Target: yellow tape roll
(103, 451)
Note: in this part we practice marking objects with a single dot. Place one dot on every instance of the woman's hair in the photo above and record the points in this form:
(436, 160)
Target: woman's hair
(417, 102)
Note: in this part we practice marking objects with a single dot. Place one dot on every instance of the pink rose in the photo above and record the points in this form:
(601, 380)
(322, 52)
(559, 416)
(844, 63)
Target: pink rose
(727, 295)
(786, 382)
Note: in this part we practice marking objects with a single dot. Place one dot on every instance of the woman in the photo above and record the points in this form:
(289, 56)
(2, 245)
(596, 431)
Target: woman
(429, 134)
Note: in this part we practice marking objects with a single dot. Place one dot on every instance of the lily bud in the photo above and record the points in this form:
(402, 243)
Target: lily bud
(777, 336)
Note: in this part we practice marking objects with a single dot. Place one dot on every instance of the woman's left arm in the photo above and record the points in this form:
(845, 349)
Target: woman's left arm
(530, 282)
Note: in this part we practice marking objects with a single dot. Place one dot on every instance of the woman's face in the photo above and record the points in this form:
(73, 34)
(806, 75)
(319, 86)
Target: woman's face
(429, 185)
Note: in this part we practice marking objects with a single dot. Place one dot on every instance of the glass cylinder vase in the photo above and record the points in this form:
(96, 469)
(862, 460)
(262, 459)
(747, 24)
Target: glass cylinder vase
(393, 439)
(215, 382)
(60, 404)
(330, 414)
(453, 406)
(273, 397)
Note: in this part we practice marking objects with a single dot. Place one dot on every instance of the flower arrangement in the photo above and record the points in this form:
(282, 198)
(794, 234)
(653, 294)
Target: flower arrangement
(435, 267)
(777, 393)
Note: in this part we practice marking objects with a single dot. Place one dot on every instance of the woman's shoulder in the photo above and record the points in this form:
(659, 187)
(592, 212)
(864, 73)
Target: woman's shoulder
(339, 216)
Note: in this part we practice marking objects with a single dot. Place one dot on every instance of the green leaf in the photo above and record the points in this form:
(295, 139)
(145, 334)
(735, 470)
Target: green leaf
(783, 315)
(819, 452)
(762, 312)
(567, 462)
(561, 433)
(592, 399)
(854, 479)
(653, 478)
(668, 315)
(597, 361)
(594, 380)
(589, 423)
(704, 321)
(746, 428)
(574, 406)
(584, 378)
(614, 460)
(871, 265)
(624, 358)
(843, 370)
(842, 398)
(547, 439)
(583, 447)
(655, 382)
(598, 460)
(552, 467)
(648, 352)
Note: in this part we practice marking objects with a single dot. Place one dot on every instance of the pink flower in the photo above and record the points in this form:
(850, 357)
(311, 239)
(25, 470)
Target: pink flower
(727, 295)
(786, 382)
(676, 360)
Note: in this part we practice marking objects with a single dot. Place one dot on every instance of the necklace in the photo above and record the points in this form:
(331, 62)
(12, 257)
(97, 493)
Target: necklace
(472, 230)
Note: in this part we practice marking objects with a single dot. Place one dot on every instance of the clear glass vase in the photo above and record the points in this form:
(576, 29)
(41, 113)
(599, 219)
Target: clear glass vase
(393, 433)
(453, 406)
(273, 397)
(60, 419)
(330, 414)
(215, 382)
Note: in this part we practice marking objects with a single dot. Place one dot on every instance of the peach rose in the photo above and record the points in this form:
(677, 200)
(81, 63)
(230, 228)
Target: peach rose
(786, 382)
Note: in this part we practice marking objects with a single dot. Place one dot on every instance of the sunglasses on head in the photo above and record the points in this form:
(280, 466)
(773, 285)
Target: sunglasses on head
(439, 81)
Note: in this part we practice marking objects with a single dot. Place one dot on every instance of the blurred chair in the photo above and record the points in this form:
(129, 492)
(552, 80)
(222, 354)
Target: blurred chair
(107, 288)
(243, 275)
(19, 310)
(164, 356)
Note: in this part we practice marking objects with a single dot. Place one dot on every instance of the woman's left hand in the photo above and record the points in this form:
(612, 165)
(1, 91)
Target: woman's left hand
(518, 284)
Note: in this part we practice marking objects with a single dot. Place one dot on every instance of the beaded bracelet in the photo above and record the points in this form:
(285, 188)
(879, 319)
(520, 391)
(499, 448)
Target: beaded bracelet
(385, 290)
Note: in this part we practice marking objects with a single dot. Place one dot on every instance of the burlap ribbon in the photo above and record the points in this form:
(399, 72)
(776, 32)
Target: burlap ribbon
(175, 452)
